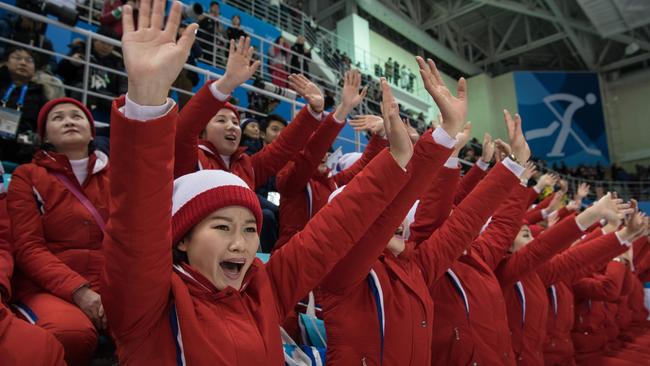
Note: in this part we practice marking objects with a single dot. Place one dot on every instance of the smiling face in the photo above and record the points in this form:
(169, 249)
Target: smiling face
(272, 131)
(522, 239)
(222, 246)
(67, 127)
(223, 132)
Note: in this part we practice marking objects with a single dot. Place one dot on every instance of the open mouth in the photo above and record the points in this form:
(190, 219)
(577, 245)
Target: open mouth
(231, 137)
(232, 268)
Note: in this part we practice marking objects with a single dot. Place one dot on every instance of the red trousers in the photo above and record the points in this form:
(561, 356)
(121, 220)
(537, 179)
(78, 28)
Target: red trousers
(65, 321)
(23, 344)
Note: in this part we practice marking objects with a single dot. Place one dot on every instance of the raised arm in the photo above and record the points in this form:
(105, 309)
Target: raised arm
(552, 241)
(437, 201)
(207, 102)
(301, 265)
(295, 175)
(137, 274)
(477, 171)
(602, 287)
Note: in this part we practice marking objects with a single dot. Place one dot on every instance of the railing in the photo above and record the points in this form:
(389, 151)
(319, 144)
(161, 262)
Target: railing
(85, 92)
(324, 42)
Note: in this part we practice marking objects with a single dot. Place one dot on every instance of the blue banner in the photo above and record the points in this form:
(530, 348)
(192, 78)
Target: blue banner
(563, 117)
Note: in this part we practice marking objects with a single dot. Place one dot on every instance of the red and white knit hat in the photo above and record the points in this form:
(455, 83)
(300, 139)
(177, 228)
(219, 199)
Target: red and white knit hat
(198, 194)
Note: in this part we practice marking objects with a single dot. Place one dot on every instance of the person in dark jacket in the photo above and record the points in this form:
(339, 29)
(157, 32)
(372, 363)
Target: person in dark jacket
(18, 139)
(235, 31)
(300, 65)
(100, 81)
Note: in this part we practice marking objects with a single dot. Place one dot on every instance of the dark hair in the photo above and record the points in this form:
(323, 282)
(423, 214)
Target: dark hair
(235, 16)
(179, 256)
(13, 49)
(264, 124)
(212, 3)
(107, 32)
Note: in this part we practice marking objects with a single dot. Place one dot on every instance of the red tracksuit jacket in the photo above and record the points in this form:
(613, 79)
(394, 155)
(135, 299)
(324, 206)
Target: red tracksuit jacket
(164, 317)
(574, 263)
(463, 332)
(6, 257)
(192, 154)
(525, 293)
(57, 242)
(303, 190)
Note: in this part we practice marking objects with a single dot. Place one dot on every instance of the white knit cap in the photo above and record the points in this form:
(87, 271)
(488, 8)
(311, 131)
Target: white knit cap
(198, 194)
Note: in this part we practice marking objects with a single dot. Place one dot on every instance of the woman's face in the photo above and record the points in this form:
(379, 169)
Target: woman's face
(522, 239)
(67, 127)
(223, 132)
(236, 21)
(222, 246)
(396, 244)
(252, 130)
(273, 131)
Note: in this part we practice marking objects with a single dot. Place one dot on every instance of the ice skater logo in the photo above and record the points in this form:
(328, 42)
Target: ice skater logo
(565, 123)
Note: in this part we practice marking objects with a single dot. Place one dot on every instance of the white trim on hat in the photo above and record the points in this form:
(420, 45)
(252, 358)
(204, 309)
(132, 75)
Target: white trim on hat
(191, 185)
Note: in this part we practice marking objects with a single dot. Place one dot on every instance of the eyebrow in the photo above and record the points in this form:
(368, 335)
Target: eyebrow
(228, 219)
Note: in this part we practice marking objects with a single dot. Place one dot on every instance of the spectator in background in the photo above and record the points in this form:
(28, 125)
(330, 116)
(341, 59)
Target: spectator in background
(388, 70)
(250, 136)
(112, 14)
(404, 77)
(235, 31)
(24, 99)
(411, 85)
(100, 81)
(278, 56)
(396, 74)
(30, 32)
(378, 72)
(211, 31)
(300, 65)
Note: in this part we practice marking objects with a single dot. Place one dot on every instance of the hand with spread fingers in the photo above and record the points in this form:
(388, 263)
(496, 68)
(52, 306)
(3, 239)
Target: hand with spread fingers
(453, 109)
(401, 147)
(240, 66)
(462, 138)
(308, 90)
(369, 122)
(153, 56)
(529, 171)
(351, 97)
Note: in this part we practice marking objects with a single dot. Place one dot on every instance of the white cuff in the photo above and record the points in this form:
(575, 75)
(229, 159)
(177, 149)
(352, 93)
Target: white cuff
(545, 213)
(452, 163)
(621, 241)
(524, 183)
(552, 214)
(515, 168)
(482, 165)
(582, 228)
(441, 137)
(333, 117)
(218, 94)
(537, 190)
(602, 230)
(132, 110)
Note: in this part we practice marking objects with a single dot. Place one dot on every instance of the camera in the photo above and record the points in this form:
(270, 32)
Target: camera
(192, 11)
(58, 8)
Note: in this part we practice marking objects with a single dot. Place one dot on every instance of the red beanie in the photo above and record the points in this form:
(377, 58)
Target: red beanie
(42, 114)
(199, 194)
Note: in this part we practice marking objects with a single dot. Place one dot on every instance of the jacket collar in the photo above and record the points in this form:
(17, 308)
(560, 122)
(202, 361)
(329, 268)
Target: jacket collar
(97, 161)
(209, 148)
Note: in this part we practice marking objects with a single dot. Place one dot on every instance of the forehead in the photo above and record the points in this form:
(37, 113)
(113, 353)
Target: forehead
(225, 112)
(524, 229)
(233, 213)
(253, 124)
(22, 53)
(276, 124)
(65, 107)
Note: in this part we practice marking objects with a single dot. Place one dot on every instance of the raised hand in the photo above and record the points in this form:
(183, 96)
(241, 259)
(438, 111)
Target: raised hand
(520, 148)
(239, 67)
(152, 56)
(462, 138)
(529, 171)
(401, 147)
(351, 97)
(488, 148)
(308, 90)
(453, 109)
(635, 227)
(546, 180)
(556, 202)
(369, 122)
(583, 191)
(502, 149)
